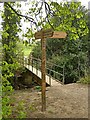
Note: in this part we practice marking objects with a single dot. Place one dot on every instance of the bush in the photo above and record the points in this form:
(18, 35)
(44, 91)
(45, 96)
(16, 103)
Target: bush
(36, 51)
(69, 63)
(85, 80)
(6, 91)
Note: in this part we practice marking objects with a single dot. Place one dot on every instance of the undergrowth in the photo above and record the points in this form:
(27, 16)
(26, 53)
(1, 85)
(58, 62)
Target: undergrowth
(84, 80)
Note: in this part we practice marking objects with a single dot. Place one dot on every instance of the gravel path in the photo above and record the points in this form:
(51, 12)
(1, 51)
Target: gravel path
(63, 101)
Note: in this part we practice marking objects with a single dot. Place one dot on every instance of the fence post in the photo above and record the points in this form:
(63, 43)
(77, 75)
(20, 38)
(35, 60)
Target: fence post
(28, 61)
(54, 75)
(37, 68)
(32, 64)
(50, 80)
(63, 75)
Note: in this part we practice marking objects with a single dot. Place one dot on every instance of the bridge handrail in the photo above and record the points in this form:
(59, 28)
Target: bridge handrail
(55, 72)
(29, 60)
(54, 64)
(33, 58)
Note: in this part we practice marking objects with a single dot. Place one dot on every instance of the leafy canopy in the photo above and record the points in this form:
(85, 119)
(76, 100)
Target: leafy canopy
(70, 17)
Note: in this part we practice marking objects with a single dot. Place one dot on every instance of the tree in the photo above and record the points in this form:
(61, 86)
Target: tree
(72, 51)
(10, 33)
(70, 17)
(9, 61)
(89, 36)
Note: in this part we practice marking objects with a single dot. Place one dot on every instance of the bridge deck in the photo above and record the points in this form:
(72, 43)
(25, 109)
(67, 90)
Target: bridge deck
(49, 79)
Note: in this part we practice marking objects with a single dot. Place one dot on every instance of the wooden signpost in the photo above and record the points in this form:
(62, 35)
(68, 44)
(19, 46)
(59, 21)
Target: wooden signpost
(43, 34)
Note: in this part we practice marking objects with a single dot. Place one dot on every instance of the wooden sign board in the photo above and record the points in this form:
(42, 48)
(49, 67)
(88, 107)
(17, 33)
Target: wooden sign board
(44, 33)
(49, 34)
(38, 35)
(59, 35)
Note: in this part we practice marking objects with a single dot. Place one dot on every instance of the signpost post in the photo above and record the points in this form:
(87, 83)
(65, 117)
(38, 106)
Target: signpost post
(43, 34)
(43, 70)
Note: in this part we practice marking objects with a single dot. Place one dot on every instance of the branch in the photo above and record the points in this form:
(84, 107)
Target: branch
(47, 10)
(39, 9)
(27, 17)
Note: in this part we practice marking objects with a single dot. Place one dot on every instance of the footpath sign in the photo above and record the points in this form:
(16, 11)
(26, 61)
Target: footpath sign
(43, 34)
(49, 33)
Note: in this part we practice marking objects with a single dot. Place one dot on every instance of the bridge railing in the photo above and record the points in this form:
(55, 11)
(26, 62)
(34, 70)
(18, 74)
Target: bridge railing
(52, 70)
(20, 58)
(56, 71)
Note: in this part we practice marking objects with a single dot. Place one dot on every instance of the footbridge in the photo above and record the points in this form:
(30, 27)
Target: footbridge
(53, 77)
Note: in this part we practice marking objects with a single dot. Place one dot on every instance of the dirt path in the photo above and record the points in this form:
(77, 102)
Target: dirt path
(63, 101)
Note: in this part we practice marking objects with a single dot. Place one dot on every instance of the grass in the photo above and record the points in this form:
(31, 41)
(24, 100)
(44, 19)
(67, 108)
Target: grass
(26, 49)
(18, 108)
(32, 108)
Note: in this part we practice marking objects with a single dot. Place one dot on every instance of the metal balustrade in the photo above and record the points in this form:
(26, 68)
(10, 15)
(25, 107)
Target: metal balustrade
(34, 65)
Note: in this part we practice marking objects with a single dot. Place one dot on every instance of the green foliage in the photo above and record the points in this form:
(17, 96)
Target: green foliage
(9, 62)
(21, 110)
(72, 55)
(70, 17)
(27, 50)
(20, 105)
(6, 108)
(38, 88)
(22, 114)
(36, 50)
(9, 33)
(66, 62)
(32, 108)
(85, 80)
(6, 90)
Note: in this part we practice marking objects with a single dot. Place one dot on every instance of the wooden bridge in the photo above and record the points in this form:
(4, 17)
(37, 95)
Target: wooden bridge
(34, 66)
